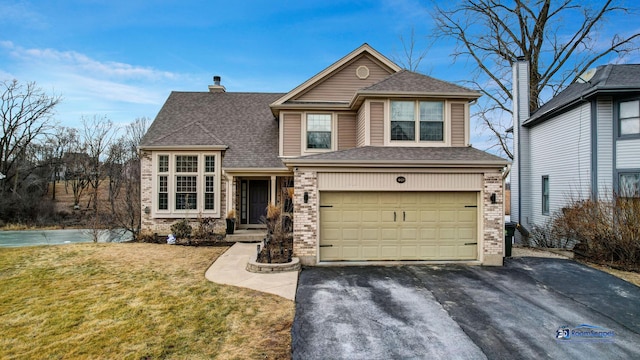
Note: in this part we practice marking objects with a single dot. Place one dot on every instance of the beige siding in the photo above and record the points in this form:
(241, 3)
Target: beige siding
(457, 125)
(361, 125)
(346, 131)
(342, 84)
(377, 123)
(291, 135)
(388, 182)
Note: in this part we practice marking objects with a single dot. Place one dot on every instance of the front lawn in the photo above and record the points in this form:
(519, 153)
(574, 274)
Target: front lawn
(132, 301)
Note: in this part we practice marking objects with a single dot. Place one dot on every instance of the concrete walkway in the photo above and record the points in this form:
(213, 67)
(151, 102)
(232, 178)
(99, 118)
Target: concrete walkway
(230, 269)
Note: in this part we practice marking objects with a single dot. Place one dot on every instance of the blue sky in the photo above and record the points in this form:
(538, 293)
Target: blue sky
(123, 58)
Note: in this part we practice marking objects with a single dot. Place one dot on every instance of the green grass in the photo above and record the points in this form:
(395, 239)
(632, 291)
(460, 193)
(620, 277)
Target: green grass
(132, 301)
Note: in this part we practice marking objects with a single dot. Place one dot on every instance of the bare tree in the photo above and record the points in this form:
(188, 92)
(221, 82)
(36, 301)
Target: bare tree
(26, 113)
(57, 145)
(97, 134)
(558, 38)
(124, 177)
(411, 57)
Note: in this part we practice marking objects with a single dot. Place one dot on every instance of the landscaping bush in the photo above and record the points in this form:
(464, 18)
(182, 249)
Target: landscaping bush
(181, 229)
(278, 245)
(205, 227)
(607, 230)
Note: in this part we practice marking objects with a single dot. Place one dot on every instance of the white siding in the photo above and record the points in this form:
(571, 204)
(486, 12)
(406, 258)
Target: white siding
(604, 131)
(628, 154)
(520, 166)
(561, 149)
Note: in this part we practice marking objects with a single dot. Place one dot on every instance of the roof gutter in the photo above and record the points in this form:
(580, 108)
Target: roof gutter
(183, 148)
(395, 163)
(583, 96)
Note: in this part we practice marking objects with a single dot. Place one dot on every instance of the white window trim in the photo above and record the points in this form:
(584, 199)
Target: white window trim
(334, 133)
(171, 212)
(446, 128)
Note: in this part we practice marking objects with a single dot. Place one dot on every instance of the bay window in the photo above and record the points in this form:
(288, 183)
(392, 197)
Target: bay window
(187, 182)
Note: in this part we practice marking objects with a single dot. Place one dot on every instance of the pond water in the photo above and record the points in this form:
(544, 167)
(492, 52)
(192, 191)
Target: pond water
(58, 237)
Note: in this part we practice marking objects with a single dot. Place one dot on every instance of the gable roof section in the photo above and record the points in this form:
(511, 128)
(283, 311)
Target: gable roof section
(608, 79)
(397, 156)
(240, 122)
(319, 77)
(407, 83)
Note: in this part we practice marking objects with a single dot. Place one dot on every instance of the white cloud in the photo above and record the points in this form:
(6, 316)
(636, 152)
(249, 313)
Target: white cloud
(77, 62)
(89, 86)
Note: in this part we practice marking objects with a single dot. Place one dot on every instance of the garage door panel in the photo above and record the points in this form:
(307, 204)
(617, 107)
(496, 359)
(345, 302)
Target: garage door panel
(398, 225)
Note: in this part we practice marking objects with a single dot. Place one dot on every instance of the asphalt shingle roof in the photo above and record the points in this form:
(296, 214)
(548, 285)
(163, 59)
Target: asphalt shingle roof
(411, 82)
(401, 154)
(242, 121)
(607, 79)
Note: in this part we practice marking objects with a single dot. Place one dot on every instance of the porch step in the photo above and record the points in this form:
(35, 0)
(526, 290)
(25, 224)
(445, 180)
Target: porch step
(242, 235)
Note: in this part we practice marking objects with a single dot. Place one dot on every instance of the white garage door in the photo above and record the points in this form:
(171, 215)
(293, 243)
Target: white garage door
(398, 226)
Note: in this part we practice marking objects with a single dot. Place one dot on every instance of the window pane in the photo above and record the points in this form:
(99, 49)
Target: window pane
(545, 195)
(319, 122)
(163, 195)
(403, 130)
(318, 140)
(163, 201)
(209, 193)
(186, 201)
(630, 126)
(431, 131)
(209, 184)
(402, 111)
(629, 109)
(209, 163)
(162, 184)
(186, 184)
(163, 163)
(629, 185)
(431, 111)
(186, 163)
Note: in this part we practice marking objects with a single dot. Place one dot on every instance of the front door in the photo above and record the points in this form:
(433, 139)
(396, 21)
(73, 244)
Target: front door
(258, 200)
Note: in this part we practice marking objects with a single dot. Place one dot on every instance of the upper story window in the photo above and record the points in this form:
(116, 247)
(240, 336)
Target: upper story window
(629, 116)
(411, 120)
(318, 131)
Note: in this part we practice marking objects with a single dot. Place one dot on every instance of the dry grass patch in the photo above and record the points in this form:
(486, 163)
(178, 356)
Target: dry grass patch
(628, 276)
(132, 301)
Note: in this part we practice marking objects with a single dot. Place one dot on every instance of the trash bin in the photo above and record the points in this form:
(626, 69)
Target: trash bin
(509, 231)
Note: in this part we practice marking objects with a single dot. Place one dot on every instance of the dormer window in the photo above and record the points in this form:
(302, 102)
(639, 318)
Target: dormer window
(422, 120)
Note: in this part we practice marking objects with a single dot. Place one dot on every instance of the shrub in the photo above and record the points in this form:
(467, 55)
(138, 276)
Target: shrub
(181, 229)
(607, 229)
(147, 237)
(205, 227)
(278, 245)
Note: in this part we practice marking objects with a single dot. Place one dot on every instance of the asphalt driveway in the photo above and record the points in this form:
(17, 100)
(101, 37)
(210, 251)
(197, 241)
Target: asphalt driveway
(466, 312)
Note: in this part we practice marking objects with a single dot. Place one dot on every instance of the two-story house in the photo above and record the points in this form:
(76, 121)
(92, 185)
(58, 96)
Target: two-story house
(584, 143)
(375, 160)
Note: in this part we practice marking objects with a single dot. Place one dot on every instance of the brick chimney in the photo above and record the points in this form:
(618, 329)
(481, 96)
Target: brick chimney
(216, 87)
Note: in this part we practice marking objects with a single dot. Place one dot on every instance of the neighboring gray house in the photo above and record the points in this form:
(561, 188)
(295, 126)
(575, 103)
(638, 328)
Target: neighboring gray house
(583, 143)
(375, 159)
